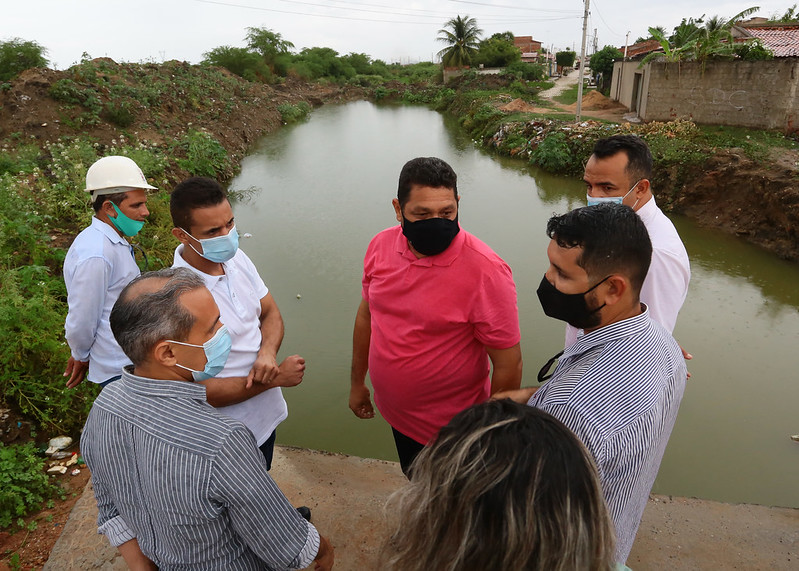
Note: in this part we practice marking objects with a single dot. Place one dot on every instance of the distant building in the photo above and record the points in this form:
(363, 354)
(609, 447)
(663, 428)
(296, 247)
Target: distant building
(529, 48)
(782, 39)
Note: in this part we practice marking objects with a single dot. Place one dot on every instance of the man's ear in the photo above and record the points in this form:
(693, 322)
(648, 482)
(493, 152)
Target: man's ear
(644, 186)
(108, 209)
(616, 286)
(163, 355)
(397, 210)
(181, 235)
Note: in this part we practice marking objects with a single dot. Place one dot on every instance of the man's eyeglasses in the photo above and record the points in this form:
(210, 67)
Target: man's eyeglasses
(544, 374)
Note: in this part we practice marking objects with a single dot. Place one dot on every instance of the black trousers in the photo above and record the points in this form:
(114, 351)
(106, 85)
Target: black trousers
(268, 449)
(407, 450)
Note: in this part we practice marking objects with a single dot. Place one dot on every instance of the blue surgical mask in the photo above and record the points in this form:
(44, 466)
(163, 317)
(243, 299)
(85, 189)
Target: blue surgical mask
(594, 200)
(219, 249)
(128, 226)
(216, 349)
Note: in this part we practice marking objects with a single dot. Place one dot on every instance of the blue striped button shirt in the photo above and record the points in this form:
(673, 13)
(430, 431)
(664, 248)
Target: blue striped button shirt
(187, 482)
(619, 389)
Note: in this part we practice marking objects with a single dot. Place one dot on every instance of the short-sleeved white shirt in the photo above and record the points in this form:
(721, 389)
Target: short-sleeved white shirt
(98, 265)
(666, 283)
(238, 293)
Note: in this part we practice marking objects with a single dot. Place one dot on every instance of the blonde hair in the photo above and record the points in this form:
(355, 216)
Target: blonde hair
(504, 486)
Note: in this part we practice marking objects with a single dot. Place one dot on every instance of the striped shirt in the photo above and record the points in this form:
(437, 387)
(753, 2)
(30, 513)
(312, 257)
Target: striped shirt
(619, 389)
(187, 482)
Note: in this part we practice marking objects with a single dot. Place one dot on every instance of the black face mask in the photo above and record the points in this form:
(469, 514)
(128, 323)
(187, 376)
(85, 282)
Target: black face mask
(432, 235)
(568, 307)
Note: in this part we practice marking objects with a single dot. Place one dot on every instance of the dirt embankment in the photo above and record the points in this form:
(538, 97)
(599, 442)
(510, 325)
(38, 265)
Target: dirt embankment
(758, 201)
(234, 111)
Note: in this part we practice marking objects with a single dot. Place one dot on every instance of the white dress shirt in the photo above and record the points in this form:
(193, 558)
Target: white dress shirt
(98, 265)
(666, 283)
(238, 293)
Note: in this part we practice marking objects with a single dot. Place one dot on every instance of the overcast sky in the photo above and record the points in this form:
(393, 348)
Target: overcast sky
(157, 30)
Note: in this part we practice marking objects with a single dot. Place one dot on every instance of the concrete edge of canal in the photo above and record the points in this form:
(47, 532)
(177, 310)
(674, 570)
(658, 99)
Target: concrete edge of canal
(346, 495)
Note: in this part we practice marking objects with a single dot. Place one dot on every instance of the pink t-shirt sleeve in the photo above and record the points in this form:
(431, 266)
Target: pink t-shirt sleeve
(495, 313)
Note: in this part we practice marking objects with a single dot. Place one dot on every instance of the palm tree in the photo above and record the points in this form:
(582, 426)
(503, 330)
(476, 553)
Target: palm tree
(462, 37)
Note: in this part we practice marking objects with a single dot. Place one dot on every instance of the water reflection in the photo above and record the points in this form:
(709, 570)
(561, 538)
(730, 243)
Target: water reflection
(326, 189)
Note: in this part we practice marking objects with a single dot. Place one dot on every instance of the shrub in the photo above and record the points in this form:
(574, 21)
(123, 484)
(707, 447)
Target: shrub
(527, 71)
(17, 55)
(24, 487)
(120, 113)
(553, 154)
(205, 156)
(291, 113)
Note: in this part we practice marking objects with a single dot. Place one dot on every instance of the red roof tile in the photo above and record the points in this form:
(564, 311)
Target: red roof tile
(782, 40)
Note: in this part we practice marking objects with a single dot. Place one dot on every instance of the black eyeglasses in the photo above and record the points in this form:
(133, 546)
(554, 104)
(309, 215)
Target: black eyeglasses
(544, 374)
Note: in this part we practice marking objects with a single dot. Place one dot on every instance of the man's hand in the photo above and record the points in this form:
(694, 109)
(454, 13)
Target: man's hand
(76, 371)
(687, 356)
(292, 370)
(520, 396)
(324, 557)
(264, 370)
(361, 402)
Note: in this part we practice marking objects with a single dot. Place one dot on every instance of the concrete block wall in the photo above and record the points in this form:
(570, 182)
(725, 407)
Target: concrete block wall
(757, 94)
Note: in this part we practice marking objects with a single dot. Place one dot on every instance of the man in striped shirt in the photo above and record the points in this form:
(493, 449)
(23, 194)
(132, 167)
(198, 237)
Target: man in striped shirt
(178, 484)
(619, 386)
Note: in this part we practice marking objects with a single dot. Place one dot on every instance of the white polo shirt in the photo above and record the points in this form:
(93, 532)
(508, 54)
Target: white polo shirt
(238, 293)
(98, 265)
(666, 283)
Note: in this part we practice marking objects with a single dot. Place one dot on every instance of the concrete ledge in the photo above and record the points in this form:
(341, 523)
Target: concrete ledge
(346, 495)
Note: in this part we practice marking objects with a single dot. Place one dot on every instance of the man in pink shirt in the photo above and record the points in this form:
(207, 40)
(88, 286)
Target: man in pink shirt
(437, 305)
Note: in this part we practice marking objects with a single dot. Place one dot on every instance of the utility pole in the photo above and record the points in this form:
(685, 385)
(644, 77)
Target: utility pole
(621, 69)
(596, 41)
(582, 66)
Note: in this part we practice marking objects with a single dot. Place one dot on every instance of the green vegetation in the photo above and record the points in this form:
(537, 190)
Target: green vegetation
(703, 40)
(293, 113)
(23, 485)
(497, 51)
(17, 55)
(602, 66)
(569, 96)
(461, 35)
(565, 58)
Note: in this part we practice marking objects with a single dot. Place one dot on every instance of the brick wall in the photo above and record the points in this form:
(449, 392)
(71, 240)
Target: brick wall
(758, 94)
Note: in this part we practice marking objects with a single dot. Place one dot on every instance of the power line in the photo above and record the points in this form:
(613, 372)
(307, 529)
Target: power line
(516, 7)
(496, 20)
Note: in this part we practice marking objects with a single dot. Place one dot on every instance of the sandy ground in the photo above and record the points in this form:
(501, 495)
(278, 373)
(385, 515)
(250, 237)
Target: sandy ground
(347, 495)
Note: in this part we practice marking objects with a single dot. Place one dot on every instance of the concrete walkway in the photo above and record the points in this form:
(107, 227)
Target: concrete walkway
(347, 495)
(563, 83)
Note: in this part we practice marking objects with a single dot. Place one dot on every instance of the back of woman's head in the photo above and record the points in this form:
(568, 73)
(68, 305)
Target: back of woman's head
(504, 486)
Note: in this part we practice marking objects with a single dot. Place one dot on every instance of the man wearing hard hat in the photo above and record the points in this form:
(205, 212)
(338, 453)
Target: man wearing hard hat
(99, 263)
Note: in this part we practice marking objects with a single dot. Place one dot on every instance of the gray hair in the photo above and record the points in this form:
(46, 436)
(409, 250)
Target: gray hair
(148, 311)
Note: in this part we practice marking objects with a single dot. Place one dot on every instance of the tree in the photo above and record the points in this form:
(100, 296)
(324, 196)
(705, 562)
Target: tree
(240, 61)
(790, 15)
(565, 58)
(270, 45)
(497, 51)
(462, 37)
(17, 55)
(602, 65)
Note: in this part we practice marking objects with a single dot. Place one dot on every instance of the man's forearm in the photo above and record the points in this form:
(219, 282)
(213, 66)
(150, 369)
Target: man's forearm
(135, 559)
(231, 390)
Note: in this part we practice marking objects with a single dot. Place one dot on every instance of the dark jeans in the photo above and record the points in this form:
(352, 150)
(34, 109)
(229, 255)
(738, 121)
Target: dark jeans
(407, 450)
(268, 449)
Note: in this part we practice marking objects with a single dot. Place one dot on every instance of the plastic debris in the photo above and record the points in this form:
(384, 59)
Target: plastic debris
(60, 442)
(60, 455)
(75, 472)
(795, 437)
(246, 235)
(73, 460)
(57, 470)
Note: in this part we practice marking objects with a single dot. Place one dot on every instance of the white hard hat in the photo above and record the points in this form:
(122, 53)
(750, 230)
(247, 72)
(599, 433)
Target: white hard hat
(113, 174)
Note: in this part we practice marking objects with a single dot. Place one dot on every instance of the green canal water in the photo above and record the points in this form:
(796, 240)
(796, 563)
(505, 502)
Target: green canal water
(324, 188)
